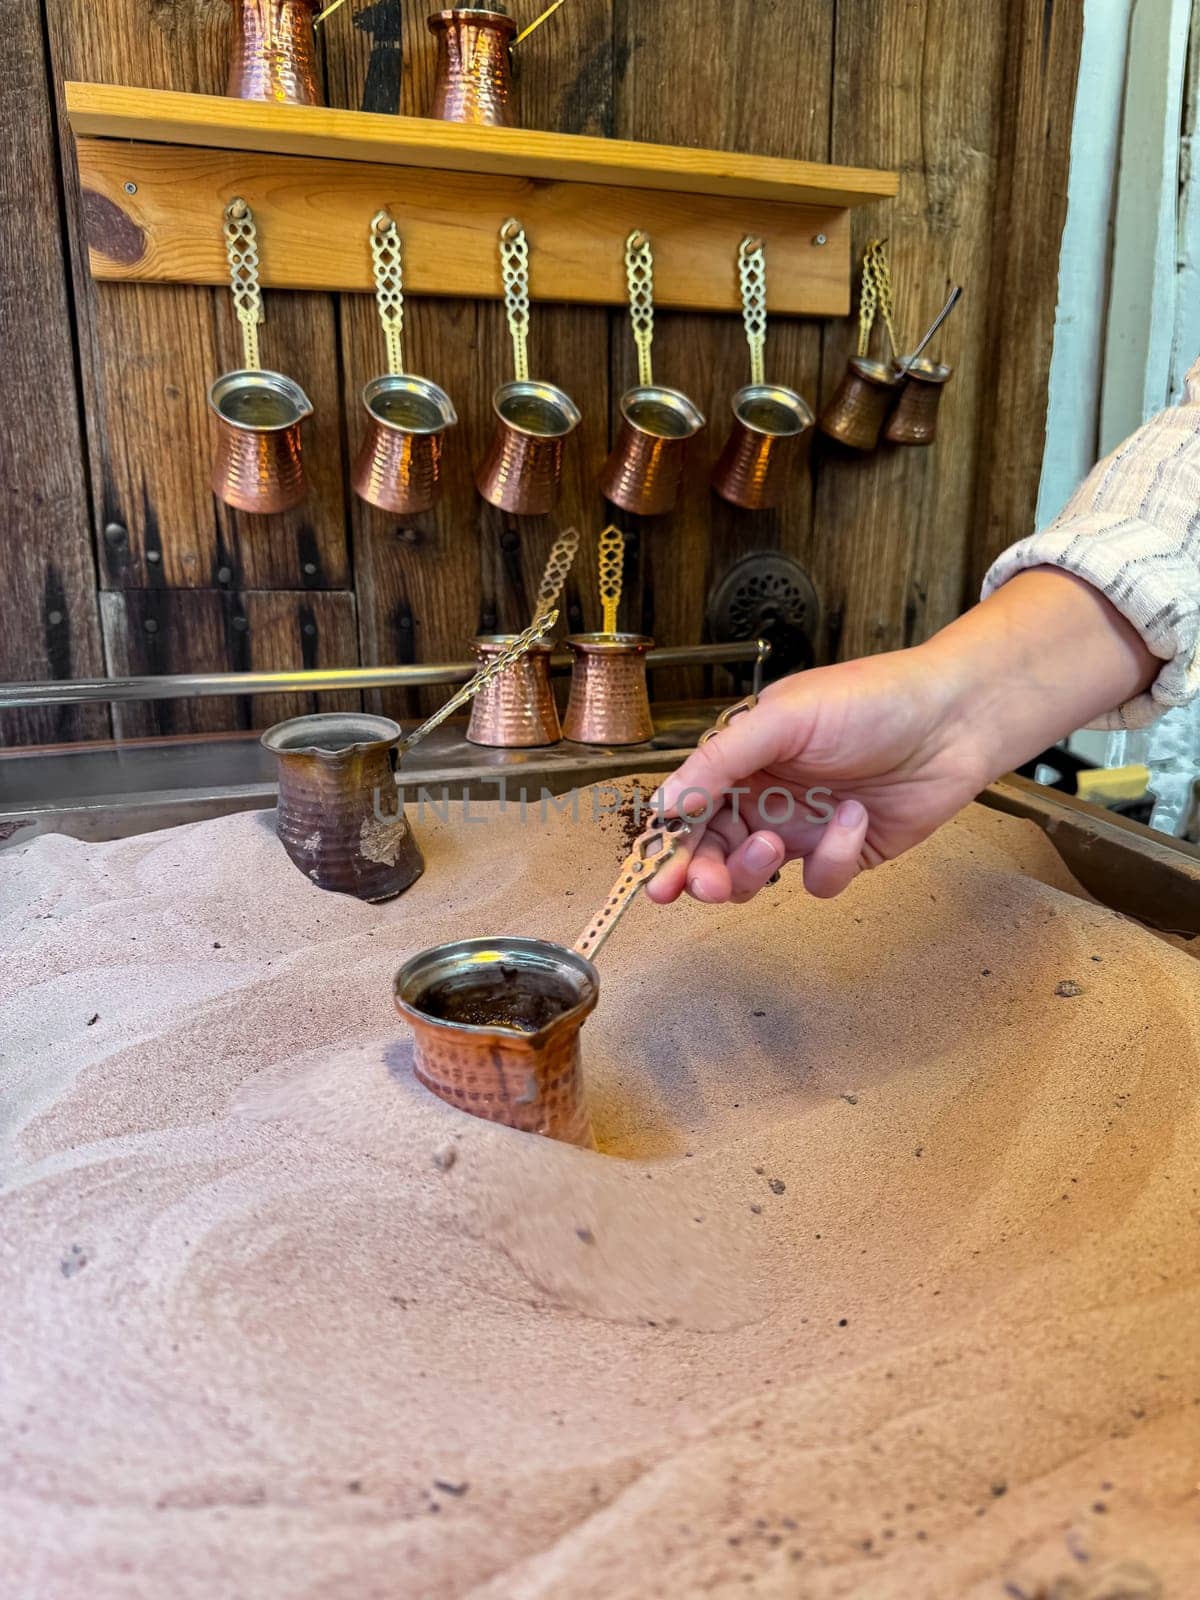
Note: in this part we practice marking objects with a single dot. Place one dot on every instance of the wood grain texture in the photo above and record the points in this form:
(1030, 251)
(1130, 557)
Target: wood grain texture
(49, 625)
(919, 84)
(149, 631)
(149, 354)
(1042, 62)
(312, 218)
(117, 112)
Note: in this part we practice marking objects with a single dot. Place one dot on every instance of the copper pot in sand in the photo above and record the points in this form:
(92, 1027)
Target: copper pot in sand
(753, 469)
(495, 1027)
(609, 702)
(642, 473)
(515, 710)
(273, 52)
(522, 471)
(914, 421)
(863, 399)
(258, 466)
(473, 76)
(399, 464)
(340, 815)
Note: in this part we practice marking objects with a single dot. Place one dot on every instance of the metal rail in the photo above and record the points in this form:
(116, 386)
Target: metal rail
(194, 685)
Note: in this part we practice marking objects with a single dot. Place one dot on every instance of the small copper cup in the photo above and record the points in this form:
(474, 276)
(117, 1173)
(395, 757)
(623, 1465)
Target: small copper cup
(340, 815)
(516, 710)
(914, 421)
(496, 1031)
(855, 414)
(473, 76)
(752, 470)
(258, 466)
(522, 471)
(642, 473)
(273, 52)
(399, 464)
(609, 702)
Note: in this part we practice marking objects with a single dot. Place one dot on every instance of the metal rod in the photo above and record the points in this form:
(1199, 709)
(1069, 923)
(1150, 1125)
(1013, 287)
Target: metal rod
(195, 685)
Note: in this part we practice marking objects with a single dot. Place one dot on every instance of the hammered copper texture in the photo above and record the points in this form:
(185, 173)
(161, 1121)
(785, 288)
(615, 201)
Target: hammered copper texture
(642, 473)
(273, 52)
(914, 420)
(397, 471)
(504, 1077)
(331, 823)
(753, 469)
(521, 472)
(258, 470)
(516, 710)
(472, 77)
(609, 702)
(856, 413)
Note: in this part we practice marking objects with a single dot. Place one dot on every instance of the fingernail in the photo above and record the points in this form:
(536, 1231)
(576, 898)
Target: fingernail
(761, 853)
(851, 814)
(694, 889)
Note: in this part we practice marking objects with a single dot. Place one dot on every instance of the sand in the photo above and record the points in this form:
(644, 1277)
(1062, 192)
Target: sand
(883, 1285)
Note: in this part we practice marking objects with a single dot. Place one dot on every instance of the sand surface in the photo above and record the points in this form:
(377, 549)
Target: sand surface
(884, 1285)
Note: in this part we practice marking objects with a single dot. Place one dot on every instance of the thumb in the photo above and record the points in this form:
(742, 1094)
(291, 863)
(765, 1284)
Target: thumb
(749, 743)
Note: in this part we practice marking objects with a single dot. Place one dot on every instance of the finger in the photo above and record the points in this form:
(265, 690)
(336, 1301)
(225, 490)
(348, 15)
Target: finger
(673, 876)
(708, 876)
(835, 861)
(754, 863)
(748, 744)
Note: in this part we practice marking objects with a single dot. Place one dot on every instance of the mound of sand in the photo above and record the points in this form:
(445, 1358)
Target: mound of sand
(885, 1283)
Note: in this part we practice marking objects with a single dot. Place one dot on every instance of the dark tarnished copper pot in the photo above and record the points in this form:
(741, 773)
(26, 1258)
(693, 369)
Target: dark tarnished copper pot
(642, 473)
(522, 471)
(609, 702)
(258, 465)
(399, 464)
(495, 1027)
(273, 52)
(856, 413)
(340, 815)
(753, 469)
(914, 421)
(473, 75)
(516, 710)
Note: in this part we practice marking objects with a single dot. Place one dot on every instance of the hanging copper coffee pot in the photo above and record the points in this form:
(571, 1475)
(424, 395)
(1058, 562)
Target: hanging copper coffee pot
(861, 402)
(609, 702)
(522, 470)
(769, 420)
(258, 465)
(516, 710)
(473, 76)
(914, 421)
(398, 466)
(643, 471)
(273, 52)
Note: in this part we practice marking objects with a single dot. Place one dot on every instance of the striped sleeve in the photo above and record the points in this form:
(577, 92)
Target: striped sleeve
(1133, 531)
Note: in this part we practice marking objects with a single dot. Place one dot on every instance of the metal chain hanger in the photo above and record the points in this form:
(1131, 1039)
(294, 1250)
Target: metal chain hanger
(612, 569)
(752, 279)
(514, 274)
(639, 275)
(387, 261)
(875, 297)
(241, 247)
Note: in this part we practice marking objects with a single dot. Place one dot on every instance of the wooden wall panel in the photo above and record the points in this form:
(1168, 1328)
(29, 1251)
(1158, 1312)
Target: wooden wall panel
(148, 631)
(48, 617)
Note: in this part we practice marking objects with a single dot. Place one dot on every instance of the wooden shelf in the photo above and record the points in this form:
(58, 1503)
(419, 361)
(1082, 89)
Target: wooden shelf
(314, 177)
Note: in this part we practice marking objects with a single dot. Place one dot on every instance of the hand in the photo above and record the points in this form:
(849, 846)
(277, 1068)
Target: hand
(842, 767)
(847, 766)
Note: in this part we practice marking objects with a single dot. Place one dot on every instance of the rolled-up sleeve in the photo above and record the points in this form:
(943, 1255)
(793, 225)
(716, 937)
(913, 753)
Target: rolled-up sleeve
(1133, 531)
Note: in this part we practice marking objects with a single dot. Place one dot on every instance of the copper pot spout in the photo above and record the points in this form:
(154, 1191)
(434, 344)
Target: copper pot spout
(258, 466)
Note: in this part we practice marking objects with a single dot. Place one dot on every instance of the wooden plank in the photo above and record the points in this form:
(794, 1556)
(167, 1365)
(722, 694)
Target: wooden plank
(312, 219)
(49, 626)
(109, 111)
(893, 527)
(151, 631)
(1031, 202)
(149, 354)
(722, 50)
(427, 584)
